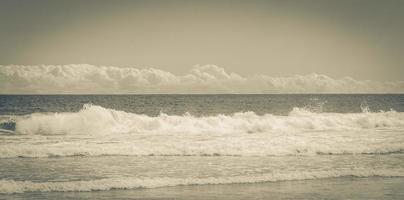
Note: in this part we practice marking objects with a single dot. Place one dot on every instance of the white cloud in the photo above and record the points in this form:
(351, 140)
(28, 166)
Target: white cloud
(84, 78)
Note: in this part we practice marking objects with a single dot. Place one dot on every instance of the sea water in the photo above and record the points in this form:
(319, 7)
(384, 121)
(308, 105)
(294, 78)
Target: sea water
(55, 144)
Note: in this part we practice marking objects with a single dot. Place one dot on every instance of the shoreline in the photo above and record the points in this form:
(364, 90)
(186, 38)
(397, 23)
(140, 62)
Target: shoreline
(328, 188)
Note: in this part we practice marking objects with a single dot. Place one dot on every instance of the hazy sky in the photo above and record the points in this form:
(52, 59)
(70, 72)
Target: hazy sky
(362, 39)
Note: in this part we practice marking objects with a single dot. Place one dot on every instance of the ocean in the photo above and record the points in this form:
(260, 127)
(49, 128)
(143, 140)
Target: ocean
(307, 146)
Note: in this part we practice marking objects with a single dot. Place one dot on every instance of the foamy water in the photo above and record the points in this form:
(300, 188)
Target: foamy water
(95, 130)
(170, 149)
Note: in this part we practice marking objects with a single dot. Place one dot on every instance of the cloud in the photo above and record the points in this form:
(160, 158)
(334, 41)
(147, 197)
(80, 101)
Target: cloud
(84, 78)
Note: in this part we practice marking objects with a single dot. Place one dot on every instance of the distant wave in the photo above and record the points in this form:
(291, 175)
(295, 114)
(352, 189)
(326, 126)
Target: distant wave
(95, 131)
(12, 186)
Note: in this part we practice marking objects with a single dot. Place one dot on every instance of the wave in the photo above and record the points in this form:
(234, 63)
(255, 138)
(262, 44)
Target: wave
(98, 120)
(13, 186)
(95, 131)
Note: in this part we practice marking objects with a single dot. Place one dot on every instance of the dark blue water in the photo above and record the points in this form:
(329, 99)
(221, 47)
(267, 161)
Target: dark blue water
(199, 105)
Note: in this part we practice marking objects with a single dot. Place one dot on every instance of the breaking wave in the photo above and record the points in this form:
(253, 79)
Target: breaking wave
(98, 120)
(12, 186)
(95, 131)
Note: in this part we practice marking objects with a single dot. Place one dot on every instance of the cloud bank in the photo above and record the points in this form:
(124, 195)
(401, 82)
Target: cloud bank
(90, 79)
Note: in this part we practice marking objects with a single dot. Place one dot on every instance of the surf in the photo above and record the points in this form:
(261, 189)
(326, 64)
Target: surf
(99, 131)
(14, 186)
(93, 119)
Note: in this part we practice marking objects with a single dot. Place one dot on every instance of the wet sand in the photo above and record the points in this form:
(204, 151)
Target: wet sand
(332, 188)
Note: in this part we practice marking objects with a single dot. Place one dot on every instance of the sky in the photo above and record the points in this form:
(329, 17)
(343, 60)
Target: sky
(201, 46)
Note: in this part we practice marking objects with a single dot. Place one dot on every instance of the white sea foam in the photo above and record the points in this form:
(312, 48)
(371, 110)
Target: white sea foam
(98, 120)
(12, 186)
(95, 130)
